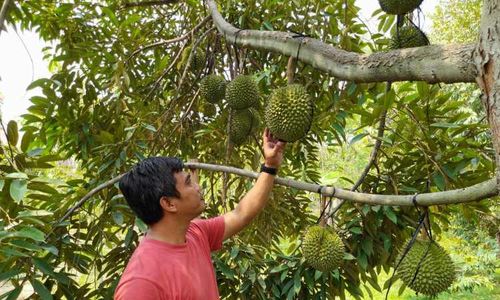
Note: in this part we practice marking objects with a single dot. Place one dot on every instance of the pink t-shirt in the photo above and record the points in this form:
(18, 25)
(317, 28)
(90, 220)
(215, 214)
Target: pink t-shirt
(158, 270)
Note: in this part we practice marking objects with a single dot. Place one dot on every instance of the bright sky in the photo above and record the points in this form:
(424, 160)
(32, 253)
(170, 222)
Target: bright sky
(17, 72)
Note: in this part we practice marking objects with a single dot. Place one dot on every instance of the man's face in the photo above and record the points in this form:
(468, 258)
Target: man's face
(191, 201)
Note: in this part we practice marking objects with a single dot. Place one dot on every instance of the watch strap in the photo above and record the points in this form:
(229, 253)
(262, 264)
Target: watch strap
(272, 171)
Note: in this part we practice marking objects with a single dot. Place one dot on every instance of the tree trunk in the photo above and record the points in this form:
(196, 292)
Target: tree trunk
(487, 61)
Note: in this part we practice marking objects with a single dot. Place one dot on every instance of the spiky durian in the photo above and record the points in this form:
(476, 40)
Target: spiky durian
(399, 7)
(213, 88)
(408, 37)
(197, 62)
(322, 248)
(289, 113)
(436, 271)
(242, 92)
(242, 124)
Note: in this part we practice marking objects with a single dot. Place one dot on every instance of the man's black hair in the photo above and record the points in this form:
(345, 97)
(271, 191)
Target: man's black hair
(147, 182)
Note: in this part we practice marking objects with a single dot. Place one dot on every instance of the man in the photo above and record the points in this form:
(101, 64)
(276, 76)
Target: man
(173, 260)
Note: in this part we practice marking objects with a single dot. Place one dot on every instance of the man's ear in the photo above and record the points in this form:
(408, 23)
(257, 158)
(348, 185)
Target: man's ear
(168, 204)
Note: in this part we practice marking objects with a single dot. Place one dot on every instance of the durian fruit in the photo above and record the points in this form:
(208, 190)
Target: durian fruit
(242, 125)
(242, 92)
(289, 113)
(197, 62)
(213, 88)
(409, 36)
(436, 272)
(399, 7)
(322, 248)
(207, 109)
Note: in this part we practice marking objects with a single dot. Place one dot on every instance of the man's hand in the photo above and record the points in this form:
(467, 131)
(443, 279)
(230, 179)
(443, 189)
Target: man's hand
(273, 150)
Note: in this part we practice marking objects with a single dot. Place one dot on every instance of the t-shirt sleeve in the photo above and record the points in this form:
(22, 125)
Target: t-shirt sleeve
(138, 288)
(213, 229)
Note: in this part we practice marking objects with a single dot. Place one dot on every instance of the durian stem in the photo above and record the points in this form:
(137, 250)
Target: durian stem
(290, 69)
(229, 150)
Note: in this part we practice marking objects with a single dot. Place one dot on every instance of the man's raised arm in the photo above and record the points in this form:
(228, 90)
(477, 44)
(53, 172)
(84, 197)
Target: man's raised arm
(255, 200)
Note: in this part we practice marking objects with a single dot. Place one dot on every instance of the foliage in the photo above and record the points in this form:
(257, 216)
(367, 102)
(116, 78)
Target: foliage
(118, 94)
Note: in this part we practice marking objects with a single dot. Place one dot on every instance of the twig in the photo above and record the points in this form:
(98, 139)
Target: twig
(171, 41)
(191, 54)
(157, 82)
(90, 194)
(188, 110)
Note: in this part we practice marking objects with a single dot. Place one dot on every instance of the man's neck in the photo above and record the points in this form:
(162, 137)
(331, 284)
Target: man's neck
(169, 230)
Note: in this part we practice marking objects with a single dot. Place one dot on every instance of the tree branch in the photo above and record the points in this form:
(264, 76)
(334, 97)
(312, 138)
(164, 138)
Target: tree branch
(149, 3)
(476, 192)
(436, 63)
(171, 41)
(89, 195)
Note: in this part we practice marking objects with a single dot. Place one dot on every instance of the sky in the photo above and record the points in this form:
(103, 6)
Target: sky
(18, 70)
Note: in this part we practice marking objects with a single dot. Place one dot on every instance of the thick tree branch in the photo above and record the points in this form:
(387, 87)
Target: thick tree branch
(149, 3)
(476, 192)
(437, 63)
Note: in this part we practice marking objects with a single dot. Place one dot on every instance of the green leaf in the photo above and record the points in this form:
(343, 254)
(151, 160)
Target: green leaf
(445, 125)
(38, 83)
(439, 181)
(357, 138)
(391, 215)
(363, 260)
(14, 294)
(367, 245)
(9, 274)
(149, 127)
(18, 189)
(356, 230)
(43, 266)
(117, 217)
(268, 26)
(31, 233)
(41, 290)
(349, 256)
(2, 183)
(34, 213)
(278, 269)
(12, 133)
(26, 140)
(17, 175)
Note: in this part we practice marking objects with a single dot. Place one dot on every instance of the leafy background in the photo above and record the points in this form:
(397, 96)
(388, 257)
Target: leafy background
(120, 93)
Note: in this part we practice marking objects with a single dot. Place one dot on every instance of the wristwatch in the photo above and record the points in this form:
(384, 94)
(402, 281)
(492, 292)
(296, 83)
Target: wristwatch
(268, 170)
